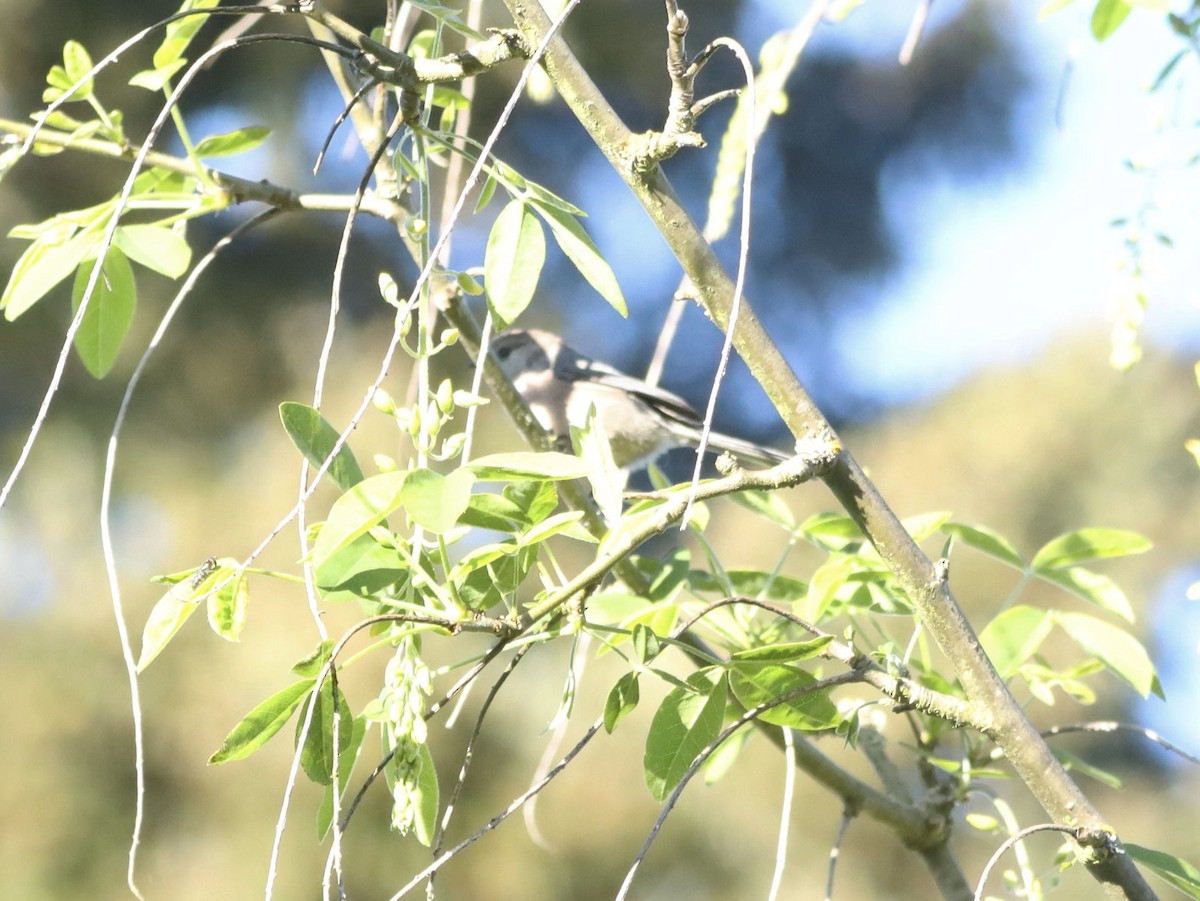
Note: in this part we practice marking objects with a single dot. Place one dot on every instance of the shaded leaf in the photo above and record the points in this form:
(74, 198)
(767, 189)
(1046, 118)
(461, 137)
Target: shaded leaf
(109, 311)
(359, 509)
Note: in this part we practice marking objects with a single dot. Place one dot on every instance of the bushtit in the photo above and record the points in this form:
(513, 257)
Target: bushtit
(640, 420)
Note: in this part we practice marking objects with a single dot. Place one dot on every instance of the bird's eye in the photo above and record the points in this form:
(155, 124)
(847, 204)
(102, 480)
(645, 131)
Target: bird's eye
(503, 353)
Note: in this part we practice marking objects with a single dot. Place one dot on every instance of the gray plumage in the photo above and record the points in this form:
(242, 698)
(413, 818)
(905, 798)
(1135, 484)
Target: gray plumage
(642, 421)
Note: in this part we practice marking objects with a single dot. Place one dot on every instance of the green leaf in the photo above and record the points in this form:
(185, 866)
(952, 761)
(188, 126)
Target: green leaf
(157, 79)
(227, 605)
(1014, 636)
(755, 683)
(77, 64)
(922, 526)
(156, 247)
(180, 33)
(987, 541)
(767, 504)
(315, 438)
(831, 531)
(41, 267)
(787, 652)
(261, 723)
(1107, 17)
(166, 618)
(684, 724)
(426, 798)
(580, 250)
(512, 263)
(436, 501)
(360, 569)
(750, 583)
(109, 312)
(492, 511)
(356, 511)
(325, 813)
(1179, 873)
(241, 141)
(621, 701)
(314, 662)
(1099, 589)
(1088, 544)
(1116, 648)
(528, 465)
(317, 754)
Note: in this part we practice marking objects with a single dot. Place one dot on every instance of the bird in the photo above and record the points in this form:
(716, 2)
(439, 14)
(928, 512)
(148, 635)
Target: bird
(641, 421)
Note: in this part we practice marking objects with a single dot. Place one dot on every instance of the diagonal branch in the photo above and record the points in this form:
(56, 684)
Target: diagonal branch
(914, 571)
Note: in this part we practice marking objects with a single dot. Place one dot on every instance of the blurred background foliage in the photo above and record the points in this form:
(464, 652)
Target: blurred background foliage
(1053, 442)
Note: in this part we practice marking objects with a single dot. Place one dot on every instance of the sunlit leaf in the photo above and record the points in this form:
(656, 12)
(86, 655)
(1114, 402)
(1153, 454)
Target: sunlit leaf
(528, 465)
(356, 511)
(1013, 636)
(581, 251)
(261, 723)
(621, 701)
(987, 541)
(1119, 651)
(436, 501)
(1083, 545)
(512, 263)
(685, 722)
(1091, 586)
(42, 266)
(156, 247)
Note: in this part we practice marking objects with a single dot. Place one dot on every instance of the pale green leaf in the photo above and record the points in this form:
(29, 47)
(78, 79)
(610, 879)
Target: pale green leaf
(436, 501)
(1176, 871)
(234, 142)
(1107, 17)
(1088, 544)
(1014, 636)
(1116, 648)
(109, 311)
(528, 465)
(180, 33)
(512, 264)
(166, 618)
(581, 251)
(1091, 586)
(987, 541)
(356, 511)
(41, 267)
(157, 247)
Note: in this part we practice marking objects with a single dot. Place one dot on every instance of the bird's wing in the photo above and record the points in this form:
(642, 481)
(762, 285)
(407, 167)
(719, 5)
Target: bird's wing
(671, 406)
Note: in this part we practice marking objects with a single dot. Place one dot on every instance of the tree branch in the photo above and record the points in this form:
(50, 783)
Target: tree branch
(915, 573)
